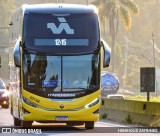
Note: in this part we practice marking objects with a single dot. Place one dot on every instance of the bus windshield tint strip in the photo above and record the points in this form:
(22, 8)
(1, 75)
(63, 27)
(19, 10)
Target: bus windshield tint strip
(61, 42)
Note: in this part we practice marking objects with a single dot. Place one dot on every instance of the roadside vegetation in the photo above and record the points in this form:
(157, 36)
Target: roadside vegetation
(143, 98)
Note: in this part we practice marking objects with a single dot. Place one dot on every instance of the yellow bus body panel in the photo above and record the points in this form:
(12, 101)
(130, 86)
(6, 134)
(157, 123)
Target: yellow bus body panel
(75, 110)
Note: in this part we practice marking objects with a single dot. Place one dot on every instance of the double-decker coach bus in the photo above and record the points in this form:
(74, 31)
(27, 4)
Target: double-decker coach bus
(56, 65)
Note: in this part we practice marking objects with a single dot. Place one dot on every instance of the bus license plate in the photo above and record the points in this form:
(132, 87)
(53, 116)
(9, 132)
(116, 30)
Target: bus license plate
(61, 118)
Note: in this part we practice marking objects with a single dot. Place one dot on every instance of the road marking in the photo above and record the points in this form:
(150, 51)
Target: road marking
(111, 124)
(6, 124)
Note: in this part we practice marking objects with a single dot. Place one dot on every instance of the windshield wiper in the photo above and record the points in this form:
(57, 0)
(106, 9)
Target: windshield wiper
(75, 88)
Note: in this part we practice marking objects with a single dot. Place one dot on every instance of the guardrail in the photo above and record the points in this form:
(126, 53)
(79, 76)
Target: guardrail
(129, 111)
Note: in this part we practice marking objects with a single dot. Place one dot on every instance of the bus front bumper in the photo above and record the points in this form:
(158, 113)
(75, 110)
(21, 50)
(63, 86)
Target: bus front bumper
(37, 114)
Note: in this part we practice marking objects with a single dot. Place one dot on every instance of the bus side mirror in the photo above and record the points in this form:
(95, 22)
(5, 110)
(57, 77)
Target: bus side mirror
(16, 54)
(107, 54)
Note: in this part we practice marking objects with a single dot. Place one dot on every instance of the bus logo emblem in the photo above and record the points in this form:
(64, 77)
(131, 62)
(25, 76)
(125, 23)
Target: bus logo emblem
(63, 26)
(61, 106)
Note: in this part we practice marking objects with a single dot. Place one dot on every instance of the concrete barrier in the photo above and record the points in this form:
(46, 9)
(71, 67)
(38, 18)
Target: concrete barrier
(138, 112)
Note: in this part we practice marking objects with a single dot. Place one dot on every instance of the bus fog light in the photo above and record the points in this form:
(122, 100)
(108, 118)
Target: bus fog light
(96, 112)
(25, 111)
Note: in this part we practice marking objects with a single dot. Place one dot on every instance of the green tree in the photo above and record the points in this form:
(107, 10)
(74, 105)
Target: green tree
(112, 10)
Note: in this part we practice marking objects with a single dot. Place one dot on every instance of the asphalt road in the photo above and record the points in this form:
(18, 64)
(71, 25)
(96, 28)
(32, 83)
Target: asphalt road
(102, 128)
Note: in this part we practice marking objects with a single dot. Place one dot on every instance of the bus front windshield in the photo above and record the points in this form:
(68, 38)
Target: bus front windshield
(44, 75)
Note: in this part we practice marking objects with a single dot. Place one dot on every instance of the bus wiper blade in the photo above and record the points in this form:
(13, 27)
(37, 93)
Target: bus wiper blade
(75, 88)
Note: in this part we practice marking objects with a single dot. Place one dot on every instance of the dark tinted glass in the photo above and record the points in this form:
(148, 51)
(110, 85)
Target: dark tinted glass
(42, 71)
(61, 34)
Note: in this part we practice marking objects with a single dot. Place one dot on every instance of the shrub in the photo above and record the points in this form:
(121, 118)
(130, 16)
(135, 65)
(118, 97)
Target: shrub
(104, 115)
(128, 119)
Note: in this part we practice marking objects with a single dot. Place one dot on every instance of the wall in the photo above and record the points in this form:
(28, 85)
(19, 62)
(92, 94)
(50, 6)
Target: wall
(144, 113)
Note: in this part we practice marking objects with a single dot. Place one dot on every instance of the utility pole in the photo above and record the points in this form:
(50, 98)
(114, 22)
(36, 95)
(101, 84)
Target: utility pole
(157, 20)
(153, 49)
(59, 1)
(125, 60)
(87, 2)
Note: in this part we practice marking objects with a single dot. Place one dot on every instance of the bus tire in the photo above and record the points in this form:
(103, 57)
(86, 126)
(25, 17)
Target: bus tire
(89, 125)
(16, 121)
(26, 123)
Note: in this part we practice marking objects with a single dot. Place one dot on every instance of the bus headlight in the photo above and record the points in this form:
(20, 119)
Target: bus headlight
(30, 103)
(94, 102)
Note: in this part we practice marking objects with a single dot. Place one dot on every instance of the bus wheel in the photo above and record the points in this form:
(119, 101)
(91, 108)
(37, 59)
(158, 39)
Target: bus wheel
(26, 123)
(17, 122)
(89, 125)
